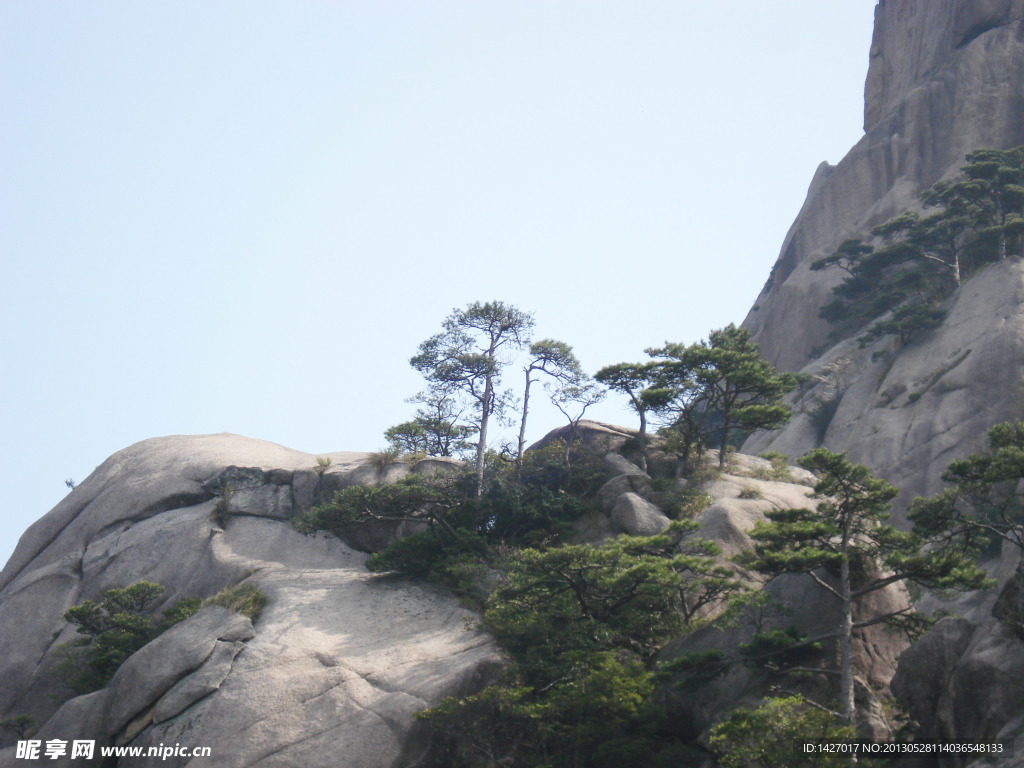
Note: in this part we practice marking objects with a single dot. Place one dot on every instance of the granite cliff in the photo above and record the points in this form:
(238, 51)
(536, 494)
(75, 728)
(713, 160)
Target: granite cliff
(945, 77)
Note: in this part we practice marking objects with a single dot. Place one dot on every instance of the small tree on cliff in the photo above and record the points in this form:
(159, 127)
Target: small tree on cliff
(919, 260)
(467, 358)
(849, 553)
(983, 499)
(724, 377)
(435, 430)
(556, 360)
(636, 381)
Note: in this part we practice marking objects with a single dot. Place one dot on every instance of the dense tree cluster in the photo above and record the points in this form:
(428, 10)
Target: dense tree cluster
(704, 392)
(848, 550)
(898, 281)
(581, 625)
(113, 629)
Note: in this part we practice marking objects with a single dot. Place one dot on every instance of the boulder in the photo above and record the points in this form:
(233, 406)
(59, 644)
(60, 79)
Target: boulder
(962, 682)
(925, 669)
(339, 655)
(636, 516)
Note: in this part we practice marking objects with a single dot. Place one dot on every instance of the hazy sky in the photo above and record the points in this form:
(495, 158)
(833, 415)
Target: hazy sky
(244, 216)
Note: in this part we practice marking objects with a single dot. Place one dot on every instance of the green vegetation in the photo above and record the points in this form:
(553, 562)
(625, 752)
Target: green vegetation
(554, 359)
(682, 502)
(983, 502)
(581, 625)
(245, 599)
(113, 630)
(779, 470)
(637, 382)
(915, 261)
(846, 548)
(770, 736)
(222, 508)
(517, 506)
(122, 622)
(715, 388)
(435, 430)
(381, 460)
(466, 359)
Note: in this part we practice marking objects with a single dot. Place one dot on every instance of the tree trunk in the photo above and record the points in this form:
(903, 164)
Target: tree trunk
(641, 438)
(846, 690)
(725, 441)
(522, 424)
(481, 446)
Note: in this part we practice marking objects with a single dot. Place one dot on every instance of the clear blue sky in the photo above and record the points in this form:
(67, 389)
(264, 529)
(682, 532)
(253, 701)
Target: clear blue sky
(244, 216)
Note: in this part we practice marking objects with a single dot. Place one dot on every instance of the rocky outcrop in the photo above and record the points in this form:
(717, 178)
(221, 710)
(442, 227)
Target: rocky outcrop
(332, 672)
(740, 498)
(907, 411)
(962, 681)
(945, 77)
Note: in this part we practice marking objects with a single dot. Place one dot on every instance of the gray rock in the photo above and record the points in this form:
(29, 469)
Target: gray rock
(200, 683)
(945, 77)
(156, 667)
(963, 682)
(627, 478)
(340, 656)
(925, 669)
(907, 415)
(595, 437)
(617, 464)
(636, 516)
(984, 692)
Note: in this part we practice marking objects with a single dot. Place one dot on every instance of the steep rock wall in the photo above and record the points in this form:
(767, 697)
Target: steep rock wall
(945, 77)
(906, 412)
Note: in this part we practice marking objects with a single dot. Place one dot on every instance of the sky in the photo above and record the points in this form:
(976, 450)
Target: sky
(245, 216)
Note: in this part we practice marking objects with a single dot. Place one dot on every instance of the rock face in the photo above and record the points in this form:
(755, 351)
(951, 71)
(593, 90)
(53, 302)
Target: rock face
(907, 412)
(963, 682)
(945, 77)
(330, 675)
(741, 496)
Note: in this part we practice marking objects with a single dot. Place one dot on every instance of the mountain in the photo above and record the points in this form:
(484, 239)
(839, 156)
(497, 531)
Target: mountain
(334, 668)
(331, 674)
(945, 77)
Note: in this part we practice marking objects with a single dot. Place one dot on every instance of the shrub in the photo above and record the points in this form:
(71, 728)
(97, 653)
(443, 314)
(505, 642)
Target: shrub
(383, 459)
(580, 625)
(112, 631)
(779, 470)
(684, 502)
(770, 736)
(245, 599)
(748, 492)
(221, 510)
